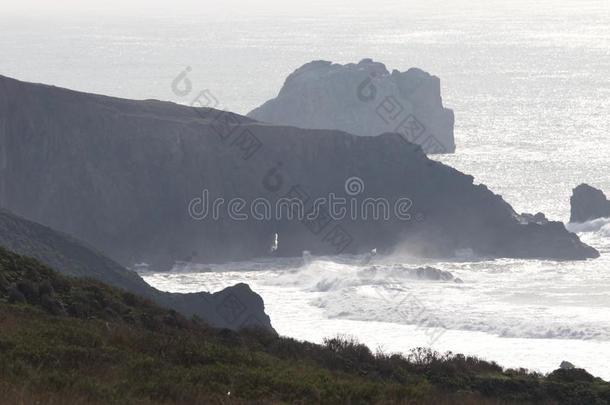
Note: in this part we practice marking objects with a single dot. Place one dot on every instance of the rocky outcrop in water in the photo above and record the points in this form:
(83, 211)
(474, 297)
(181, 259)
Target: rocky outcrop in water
(132, 178)
(364, 99)
(588, 203)
(431, 273)
(234, 307)
(419, 273)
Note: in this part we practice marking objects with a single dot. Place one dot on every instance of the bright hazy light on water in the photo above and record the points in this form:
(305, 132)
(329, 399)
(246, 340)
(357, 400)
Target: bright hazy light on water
(338, 8)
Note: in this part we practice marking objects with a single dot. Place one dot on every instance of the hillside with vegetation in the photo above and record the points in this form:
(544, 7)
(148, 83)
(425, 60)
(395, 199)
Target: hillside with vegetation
(69, 340)
(72, 257)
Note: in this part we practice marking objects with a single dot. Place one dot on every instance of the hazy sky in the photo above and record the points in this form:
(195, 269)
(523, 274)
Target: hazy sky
(187, 6)
(238, 7)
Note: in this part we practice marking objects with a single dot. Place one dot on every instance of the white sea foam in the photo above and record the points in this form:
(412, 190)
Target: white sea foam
(600, 226)
(508, 298)
(520, 306)
(528, 313)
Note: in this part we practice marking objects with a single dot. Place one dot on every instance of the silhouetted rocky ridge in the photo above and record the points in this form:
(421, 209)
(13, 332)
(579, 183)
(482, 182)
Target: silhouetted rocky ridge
(129, 177)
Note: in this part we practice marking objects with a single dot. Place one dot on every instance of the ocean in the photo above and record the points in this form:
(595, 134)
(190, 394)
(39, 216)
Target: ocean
(530, 88)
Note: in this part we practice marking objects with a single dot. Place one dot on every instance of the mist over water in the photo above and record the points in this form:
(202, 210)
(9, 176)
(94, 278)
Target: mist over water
(531, 93)
(521, 313)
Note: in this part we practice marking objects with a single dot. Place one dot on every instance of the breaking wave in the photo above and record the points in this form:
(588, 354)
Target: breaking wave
(505, 297)
(600, 226)
(491, 300)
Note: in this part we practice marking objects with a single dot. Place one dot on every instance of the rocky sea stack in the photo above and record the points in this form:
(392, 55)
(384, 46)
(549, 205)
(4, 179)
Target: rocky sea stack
(588, 203)
(364, 99)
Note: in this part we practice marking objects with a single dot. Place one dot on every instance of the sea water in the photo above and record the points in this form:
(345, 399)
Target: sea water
(530, 87)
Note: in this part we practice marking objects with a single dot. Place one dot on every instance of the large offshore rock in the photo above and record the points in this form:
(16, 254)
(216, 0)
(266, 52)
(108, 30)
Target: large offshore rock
(588, 203)
(364, 99)
(129, 177)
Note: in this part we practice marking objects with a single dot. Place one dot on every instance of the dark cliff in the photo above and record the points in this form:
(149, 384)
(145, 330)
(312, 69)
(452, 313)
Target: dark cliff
(120, 174)
(233, 307)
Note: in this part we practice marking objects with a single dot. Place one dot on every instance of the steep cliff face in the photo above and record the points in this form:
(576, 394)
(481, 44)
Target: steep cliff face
(588, 203)
(364, 99)
(129, 177)
(234, 307)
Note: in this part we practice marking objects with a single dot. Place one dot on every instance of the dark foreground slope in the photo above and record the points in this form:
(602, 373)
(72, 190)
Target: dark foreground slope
(234, 307)
(121, 175)
(66, 340)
